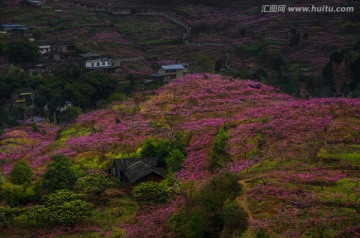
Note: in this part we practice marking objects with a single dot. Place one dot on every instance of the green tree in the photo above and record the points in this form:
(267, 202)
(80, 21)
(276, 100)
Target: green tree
(203, 63)
(218, 65)
(59, 174)
(278, 63)
(21, 174)
(7, 215)
(22, 52)
(337, 57)
(95, 183)
(72, 113)
(328, 74)
(15, 195)
(234, 219)
(61, 208)
(174, 160)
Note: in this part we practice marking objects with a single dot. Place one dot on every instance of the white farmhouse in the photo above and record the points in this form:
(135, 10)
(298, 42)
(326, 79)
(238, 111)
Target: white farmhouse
(99, 63)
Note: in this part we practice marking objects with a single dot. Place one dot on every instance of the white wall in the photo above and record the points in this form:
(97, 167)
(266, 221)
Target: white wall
(44, 48)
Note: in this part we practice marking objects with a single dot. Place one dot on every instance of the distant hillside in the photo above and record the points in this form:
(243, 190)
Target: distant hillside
(287, 50)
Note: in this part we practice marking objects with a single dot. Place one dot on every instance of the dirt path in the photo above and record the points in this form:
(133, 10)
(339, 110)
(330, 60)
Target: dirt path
(242, 201)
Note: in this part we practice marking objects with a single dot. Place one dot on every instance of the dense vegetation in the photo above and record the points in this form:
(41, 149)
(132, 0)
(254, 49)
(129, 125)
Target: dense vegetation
(82, 89)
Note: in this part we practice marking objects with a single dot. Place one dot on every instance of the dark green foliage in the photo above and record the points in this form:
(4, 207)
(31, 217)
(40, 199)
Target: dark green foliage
(242, 32)
(22, 52)
(337, 57)
(61, 208)
(161, 148)
(203, 63)
(212, 211)
(15, 195)
(355, 68)
(328, 74)
(151, 191)
(71, 114)
(35, 127)
(58, 175)
(278, 63)
(95, 183)
(21, 174)
(9, 118)
(7, 215)
(287, 84)
(218, 66)
(261, 75)
(3, 48)
(174, 160)
(218, 155)
(83, 89)
(234, 218)
(345, 89)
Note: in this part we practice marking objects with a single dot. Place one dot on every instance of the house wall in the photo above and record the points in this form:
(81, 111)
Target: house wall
(97, 63)
(171, 74)
(44, 49)
(151, 177)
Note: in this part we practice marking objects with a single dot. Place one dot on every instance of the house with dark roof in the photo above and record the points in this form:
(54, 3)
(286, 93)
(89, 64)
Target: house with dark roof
(15, 30)
(136, 170)
(172, 71)
(34, 3)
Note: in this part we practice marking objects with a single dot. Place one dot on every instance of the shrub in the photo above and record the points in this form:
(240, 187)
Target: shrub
(95, 183)
(337, 57)
(234, 218)
(59, 174)
(61, 208)
(218, 156)
(278, 63)
(174, 160)
(152, 191)
(21, 174)
(7, 215)
(17, 194)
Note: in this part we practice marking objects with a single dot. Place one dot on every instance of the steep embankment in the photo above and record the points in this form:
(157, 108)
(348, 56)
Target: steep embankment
(299, 159)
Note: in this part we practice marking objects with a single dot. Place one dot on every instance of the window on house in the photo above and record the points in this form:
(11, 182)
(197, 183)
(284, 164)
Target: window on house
(103, 63)
(97, 64)
(92, 64)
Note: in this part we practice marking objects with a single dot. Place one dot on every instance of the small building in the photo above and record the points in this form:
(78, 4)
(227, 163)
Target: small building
(36, 70)
(66, 106)
(64, 47)
(99, 63)
(172, 71)
(15, 30)
(136, 170)
(44, 47)
(34, 3)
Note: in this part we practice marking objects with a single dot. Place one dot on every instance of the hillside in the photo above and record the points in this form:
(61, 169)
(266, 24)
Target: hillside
(244, 41)
(296, 161)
